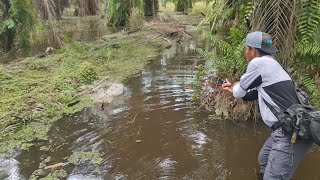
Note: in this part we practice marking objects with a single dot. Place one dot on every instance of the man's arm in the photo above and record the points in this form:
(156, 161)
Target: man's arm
(251, 96)
(249, 80)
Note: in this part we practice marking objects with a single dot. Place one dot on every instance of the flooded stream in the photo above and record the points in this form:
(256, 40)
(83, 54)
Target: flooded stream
(84, 29)
(152, 132)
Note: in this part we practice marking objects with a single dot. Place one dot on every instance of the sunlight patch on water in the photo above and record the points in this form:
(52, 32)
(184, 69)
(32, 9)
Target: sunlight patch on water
(166, 168)
(200, 139)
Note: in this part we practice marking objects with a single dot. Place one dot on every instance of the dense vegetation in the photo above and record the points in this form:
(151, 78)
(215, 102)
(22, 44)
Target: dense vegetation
(293, 24)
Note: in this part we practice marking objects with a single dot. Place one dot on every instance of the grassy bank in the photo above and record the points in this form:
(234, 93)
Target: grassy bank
(35, 92)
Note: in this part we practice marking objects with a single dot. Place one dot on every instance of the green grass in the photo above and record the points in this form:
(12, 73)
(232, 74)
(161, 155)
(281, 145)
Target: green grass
(167, 7)
(36, 92)
(200, 7)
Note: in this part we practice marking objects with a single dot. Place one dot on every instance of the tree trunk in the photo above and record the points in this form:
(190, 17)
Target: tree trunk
(51, 9)
(60, 5)
(93, 7)
(151, 7)
(87, 7)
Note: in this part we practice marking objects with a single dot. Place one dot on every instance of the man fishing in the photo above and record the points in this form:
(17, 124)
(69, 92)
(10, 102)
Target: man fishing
(266, 81)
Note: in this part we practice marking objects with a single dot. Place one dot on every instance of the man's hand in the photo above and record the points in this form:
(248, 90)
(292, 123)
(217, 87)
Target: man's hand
(228, 86)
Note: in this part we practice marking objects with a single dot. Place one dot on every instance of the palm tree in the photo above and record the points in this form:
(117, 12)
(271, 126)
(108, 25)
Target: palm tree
(87, 7)
(278, 18)
(48, 11)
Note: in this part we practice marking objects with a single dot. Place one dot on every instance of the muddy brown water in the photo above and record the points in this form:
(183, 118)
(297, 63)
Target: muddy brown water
(152, 132)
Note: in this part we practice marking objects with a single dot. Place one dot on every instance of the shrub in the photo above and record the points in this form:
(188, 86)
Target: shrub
(86, 73)
(136, 19)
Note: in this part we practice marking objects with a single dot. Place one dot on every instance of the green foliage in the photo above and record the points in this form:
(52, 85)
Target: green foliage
(167, 6)
(216, 16)
(183, 5)
(222, 16)
(66, 97)
(79, 157)
(311, 85)
(136, 19)
(18, 22)
(86, 73)
(308, 56)
(227, 56)
(56, 175)
(307, 49)
(40, 65)
(199, 8)
(7, 24)
(120, 11)
(247, 11)
(309, 20)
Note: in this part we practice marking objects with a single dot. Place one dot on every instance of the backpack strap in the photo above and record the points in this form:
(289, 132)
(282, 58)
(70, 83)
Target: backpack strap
(275, 111)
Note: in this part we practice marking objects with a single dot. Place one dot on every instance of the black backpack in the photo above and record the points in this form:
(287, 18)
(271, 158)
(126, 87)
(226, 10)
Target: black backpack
(300, 120)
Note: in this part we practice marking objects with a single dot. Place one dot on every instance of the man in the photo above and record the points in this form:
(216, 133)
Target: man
(268, 82)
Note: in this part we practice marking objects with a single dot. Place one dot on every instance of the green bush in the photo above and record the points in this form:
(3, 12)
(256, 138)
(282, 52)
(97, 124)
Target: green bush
(17, 26)
(136, 19)
(86, 73)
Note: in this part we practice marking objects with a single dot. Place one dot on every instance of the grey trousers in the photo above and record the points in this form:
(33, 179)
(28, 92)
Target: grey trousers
(279, 159)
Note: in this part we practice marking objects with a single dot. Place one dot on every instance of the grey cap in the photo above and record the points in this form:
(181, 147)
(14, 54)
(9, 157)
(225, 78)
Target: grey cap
(262, 41)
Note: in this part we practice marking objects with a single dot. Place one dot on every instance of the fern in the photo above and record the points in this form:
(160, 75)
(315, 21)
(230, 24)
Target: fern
(307, 55)
(309, 20)
(226, 57)
(311, 86)
(307, 50)
(248, 11)
(309, 83)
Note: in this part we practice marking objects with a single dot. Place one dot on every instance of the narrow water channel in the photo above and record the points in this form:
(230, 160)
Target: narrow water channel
(152, 132)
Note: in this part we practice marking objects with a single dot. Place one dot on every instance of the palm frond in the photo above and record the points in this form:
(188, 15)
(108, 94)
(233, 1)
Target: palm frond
(214, 15)
(309, 20)
(278, 18)
(308, 50)
(226, 57)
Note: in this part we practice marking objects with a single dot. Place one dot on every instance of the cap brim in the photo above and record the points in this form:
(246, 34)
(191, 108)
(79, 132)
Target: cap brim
(270, 50)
